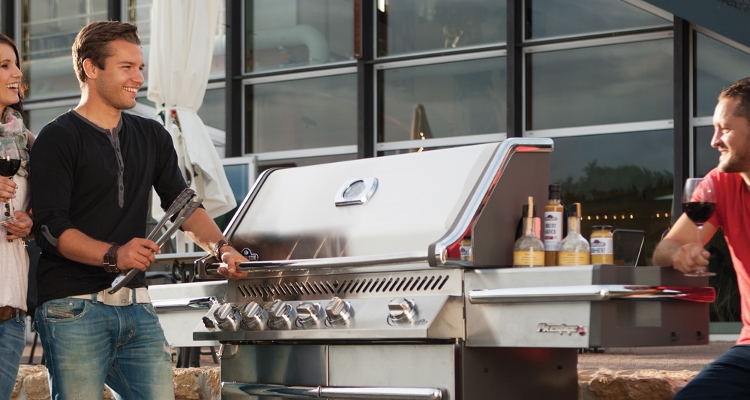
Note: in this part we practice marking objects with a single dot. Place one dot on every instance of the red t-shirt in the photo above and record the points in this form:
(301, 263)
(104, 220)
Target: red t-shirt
(732, 214)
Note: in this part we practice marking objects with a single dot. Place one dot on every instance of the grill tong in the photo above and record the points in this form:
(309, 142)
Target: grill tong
(183, 206)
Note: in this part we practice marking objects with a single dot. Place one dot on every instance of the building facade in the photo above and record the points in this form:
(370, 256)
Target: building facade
(626, 88)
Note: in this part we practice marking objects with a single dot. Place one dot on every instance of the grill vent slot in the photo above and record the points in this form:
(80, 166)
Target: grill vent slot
(347, 286)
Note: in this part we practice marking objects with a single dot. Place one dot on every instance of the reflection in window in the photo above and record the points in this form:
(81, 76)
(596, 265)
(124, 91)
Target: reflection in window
(550, 18)
(623, 180)
(716, 67)
(36, 119)
(706, 157)
(302, 114)
(415, 26)
(443, 100)
(293, 33)
(212, 111)
(600, 85)
(48, 31)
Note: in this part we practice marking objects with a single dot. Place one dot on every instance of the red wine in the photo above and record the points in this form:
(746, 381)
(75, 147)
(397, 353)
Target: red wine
(698, 212)
(9, 167)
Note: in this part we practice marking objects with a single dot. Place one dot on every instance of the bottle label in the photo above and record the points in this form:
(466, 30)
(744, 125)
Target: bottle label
(553, 223)
(528, 258)
(465, 250)
(573, 258)
(601, 245)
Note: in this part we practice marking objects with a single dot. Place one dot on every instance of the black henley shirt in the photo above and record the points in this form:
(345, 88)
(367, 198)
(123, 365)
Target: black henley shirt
(83, 177)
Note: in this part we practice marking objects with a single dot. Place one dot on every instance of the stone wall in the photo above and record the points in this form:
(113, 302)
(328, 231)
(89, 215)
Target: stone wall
(203, 384)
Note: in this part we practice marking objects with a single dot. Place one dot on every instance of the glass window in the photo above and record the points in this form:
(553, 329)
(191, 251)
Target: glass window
(706, 157)
(212, 111)
(417, 26)
(293, 33)
(37, 119)
(551, 18)
(717, 66)
(302, 114)
(48, 32)
(139, 14)
(623, 180)
(443, 100)
(600, 85)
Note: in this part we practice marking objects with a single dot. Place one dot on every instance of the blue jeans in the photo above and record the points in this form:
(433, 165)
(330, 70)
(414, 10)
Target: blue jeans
(12, 343)
(87, 344)
(728, 377)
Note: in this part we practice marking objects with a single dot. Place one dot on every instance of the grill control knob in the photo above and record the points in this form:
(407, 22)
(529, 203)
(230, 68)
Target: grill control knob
(402, 310)
(307, 314)
(226, 317)
(338, 311)
(280, 315)
(252, 316)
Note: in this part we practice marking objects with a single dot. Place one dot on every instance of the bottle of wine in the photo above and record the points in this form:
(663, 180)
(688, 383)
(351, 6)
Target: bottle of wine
(553, 225)
(528, 250)
(574, 249)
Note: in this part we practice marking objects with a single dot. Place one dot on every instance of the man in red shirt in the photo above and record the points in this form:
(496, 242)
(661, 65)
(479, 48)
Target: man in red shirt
(729, 376)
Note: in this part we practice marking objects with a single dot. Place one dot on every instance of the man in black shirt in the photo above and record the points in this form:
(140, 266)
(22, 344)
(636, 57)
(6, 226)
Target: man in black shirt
(93, 170)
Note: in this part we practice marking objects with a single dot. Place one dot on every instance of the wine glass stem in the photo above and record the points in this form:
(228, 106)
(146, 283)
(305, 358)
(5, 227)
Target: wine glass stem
(10, 208)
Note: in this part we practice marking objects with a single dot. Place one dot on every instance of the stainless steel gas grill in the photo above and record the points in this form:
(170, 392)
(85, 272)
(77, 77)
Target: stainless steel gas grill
(388, 278)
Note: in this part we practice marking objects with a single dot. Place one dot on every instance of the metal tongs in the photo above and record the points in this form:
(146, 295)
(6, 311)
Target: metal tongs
(183, 206)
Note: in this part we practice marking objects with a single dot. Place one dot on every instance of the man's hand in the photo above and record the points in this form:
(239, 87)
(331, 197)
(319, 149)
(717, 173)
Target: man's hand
(138, 253)
(231, 260)
(20, 228)
(691, 258)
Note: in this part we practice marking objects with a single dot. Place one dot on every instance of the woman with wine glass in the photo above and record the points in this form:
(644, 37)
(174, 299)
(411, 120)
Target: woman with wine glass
(15, 141)
(728, 377)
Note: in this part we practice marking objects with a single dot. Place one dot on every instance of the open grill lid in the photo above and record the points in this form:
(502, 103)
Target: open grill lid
(411, 207)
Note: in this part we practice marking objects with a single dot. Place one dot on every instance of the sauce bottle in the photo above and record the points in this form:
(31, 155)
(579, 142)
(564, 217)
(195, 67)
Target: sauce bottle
(528, 250)
(574, 249)
(601, 245)
(553, 225)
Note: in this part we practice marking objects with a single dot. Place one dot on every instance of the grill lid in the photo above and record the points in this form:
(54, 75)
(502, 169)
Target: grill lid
(372, 210)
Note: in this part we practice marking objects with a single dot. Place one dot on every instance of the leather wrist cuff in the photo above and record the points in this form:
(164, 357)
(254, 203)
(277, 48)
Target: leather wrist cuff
(110, 259)
(217, 248)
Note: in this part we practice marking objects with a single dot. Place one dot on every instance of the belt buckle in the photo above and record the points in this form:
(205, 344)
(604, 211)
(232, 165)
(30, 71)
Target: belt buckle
(120, 298)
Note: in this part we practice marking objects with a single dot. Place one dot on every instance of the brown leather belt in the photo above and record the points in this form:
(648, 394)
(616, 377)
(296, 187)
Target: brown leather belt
(8, 312)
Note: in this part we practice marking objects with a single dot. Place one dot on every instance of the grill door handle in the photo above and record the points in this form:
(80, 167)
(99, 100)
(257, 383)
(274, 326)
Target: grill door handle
(330, 392)
(592, 293)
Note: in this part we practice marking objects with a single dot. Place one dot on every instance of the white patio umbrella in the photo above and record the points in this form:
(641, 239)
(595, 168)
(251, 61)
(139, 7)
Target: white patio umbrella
(182, 42)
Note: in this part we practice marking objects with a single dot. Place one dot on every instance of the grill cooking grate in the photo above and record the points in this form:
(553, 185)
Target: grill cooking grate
(346, 286)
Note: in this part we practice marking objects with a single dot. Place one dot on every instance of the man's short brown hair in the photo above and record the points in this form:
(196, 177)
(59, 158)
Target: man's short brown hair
(93, 40)
(739, 90)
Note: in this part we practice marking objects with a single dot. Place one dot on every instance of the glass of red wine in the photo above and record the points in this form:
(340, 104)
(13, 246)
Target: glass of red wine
(10, 162)
(698, 202)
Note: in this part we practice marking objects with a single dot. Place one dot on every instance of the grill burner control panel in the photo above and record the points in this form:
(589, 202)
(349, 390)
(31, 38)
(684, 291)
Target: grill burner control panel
(316, 319)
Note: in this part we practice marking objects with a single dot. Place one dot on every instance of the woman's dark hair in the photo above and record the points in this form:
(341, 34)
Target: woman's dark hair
(7, 40)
